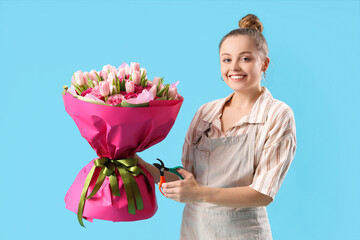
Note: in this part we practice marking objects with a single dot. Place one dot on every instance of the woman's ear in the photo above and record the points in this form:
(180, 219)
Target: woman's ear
(265, 64)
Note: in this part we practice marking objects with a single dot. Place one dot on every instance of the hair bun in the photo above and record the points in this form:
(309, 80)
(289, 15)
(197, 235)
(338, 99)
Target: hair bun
(251, 21)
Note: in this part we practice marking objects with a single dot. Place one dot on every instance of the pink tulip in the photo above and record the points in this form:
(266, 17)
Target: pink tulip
(108, 68)
(156, 81)
(104, 74)
(95, 83)
(129, 86)
(127, 70)
(104, 88)
(173, 90)
(153, 90)
(136, 77)
(111, 78)
(93, 76)
(121, 73)
(79, 78)
(134, 66)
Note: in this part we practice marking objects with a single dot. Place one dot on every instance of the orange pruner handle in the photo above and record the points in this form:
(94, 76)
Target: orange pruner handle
(162, 180)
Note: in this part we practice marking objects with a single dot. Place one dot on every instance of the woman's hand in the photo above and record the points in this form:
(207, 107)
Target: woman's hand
(185, 191)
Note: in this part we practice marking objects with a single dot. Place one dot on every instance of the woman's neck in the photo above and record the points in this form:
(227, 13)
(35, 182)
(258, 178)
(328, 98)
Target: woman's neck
(246, 99)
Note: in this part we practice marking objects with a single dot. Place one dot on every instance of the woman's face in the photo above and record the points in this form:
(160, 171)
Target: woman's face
(241, 64)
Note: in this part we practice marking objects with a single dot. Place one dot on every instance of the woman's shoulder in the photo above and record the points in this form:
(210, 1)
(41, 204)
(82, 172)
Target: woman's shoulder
(279, 111)
(280, 115)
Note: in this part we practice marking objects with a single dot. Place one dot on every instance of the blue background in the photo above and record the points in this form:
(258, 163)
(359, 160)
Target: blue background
(314, 52)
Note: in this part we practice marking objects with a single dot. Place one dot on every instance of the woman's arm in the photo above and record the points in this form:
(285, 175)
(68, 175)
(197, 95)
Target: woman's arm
(155, 172)
(188, 190)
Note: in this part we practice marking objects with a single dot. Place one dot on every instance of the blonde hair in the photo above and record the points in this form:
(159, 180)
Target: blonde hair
(251, 26)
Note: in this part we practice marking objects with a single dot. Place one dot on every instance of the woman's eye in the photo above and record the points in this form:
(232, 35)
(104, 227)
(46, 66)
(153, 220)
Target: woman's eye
(226, 60)
(246, 59)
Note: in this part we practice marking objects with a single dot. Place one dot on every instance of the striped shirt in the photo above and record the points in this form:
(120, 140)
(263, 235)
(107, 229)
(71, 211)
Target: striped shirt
(275, 141)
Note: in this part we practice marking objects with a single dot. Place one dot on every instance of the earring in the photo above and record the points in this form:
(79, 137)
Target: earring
(264, 75)
(221, 78)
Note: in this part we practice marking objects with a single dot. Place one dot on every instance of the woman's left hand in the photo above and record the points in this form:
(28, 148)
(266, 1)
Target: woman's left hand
(185, 191)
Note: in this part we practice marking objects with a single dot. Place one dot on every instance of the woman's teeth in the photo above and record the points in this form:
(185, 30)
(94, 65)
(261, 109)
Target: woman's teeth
(238, 77)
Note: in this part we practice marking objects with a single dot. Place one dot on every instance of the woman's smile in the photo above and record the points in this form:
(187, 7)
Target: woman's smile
(237, 77)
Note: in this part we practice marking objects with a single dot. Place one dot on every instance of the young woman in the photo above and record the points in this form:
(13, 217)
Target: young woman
(237, 149)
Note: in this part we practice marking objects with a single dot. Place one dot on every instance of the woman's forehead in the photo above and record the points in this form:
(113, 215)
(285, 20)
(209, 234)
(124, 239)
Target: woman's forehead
(237, 44)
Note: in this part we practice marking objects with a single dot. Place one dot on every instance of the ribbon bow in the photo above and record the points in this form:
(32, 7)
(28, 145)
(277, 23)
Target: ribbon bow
(127, 169)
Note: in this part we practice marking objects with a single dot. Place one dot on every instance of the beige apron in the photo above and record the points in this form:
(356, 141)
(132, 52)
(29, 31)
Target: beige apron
(224, 162)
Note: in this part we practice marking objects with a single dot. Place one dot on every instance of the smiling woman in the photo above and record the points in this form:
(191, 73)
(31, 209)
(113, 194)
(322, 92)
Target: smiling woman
(237, 149)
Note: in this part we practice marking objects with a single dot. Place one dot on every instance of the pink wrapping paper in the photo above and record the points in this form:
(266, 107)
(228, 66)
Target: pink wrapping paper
(116, 133)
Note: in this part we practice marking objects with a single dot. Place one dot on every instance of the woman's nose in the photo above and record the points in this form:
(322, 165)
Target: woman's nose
(236, 66)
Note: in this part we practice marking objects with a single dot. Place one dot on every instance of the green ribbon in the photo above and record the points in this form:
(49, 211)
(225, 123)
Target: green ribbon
(127, 169)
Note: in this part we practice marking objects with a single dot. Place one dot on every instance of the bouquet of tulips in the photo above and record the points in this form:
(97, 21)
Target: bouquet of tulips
(119, 112)
(127, 83)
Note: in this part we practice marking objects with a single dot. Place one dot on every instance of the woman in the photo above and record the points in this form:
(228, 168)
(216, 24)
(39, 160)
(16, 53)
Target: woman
(237, 150)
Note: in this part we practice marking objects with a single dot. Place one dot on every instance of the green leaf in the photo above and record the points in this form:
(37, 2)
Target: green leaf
(162, 98)
(98, 77)
(122, 85)
(117, 84)
(77, 87)
(126, 104)
(161, 92)
(167, 89)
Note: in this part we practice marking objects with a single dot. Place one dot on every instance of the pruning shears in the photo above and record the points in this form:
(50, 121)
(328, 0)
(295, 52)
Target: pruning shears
(162, 169)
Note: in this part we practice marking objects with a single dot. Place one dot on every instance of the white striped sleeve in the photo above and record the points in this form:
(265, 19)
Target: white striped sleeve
(276, 156)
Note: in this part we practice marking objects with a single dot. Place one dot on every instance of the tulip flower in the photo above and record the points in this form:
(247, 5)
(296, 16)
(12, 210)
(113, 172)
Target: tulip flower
(121, 73)
(111, 78)
(173, 90)
(93, 75)
(127, 70)
(156, 81)
(104, 88)
(109, 69)
(153, 90)
(136, 77)
(104, 75)
(129, 86)
(79, 78)
(134, 66)
(172, 93)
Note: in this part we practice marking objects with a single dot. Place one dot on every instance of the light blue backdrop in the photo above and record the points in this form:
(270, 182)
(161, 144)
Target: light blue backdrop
(314, 52)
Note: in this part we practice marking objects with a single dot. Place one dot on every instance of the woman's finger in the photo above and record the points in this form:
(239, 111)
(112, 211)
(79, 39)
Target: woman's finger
(171, 184)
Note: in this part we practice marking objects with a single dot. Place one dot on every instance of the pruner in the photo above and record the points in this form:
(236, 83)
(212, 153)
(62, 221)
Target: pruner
(162, 169)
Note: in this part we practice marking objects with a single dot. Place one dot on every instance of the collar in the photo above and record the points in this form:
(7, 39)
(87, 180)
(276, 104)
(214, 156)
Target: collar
(258, 112)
